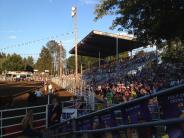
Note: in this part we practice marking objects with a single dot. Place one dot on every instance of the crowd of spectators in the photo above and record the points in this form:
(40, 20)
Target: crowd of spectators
(112, 69)
(148, 77)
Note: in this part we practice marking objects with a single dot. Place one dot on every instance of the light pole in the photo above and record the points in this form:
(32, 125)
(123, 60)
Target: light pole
(74, 15)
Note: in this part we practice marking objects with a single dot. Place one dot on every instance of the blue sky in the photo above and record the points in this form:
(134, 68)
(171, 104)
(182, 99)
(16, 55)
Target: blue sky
(33, 21)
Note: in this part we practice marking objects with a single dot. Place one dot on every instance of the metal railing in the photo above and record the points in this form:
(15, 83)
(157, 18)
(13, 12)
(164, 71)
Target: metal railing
(11, 118)
(85, 125)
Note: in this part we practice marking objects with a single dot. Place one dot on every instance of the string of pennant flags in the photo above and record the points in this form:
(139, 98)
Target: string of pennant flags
(29, 54)
(35, 41)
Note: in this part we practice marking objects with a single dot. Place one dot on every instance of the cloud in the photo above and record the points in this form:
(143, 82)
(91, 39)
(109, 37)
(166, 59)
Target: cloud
(88, 2)
(10, 31)
(12, 37)
(7, 31)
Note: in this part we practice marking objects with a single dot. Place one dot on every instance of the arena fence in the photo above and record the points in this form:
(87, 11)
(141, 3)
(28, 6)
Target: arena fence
(10, 119)
(135, 117)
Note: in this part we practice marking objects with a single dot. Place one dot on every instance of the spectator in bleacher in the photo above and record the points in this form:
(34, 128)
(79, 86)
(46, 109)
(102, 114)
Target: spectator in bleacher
(109, 97)
(55, 112)
(27, 126)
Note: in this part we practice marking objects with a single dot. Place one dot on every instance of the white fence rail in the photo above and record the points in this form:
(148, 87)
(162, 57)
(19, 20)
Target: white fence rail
(10, 119)
(65, 83)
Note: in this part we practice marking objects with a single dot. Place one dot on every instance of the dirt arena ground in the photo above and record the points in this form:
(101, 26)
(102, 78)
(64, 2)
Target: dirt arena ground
(17, 93)
(8, 88)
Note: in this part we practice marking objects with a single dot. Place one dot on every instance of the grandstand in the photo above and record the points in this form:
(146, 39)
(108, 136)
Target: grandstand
(143, 97)
(132, 97)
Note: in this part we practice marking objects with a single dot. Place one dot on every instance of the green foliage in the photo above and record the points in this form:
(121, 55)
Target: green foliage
(2, 59)
(123, 55)
(30, 61)
(151, 21)
(70, 63)
(173, 52)
(88, 62)
(44, 61)
(85, 61)
(13, 62)
(28, 64)
(58, 54)
(56, 49)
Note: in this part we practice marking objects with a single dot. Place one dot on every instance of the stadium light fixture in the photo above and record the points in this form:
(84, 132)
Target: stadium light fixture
(74, 11)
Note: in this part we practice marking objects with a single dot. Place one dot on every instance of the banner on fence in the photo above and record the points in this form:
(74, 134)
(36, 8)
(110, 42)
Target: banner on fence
(68, 113)
(172, 105)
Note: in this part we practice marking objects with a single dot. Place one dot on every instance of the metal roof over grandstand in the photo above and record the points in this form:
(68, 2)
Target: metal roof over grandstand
(105, 43)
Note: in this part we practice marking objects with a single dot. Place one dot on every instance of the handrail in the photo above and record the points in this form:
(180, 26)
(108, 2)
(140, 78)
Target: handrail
(9, 134)
(12, 125)
(145, 124)
(38, 120)
(19, 116)
(21, 108)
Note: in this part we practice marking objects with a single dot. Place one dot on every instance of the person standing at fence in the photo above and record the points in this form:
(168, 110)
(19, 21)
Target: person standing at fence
(27, 126)
(38, 93)
(54, 112)
(45, 88)
(50, 92)
(50, 89)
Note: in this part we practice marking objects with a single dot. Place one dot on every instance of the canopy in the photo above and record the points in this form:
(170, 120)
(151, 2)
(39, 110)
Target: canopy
(105, 44)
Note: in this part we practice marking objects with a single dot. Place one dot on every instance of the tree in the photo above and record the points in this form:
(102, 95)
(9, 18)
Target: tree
(58, 54)
(173, 52)
(84, 60)
(44, 61)
(150, 21)
(29, 63)
(70, 63)
(13, 62)
(2, 59)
